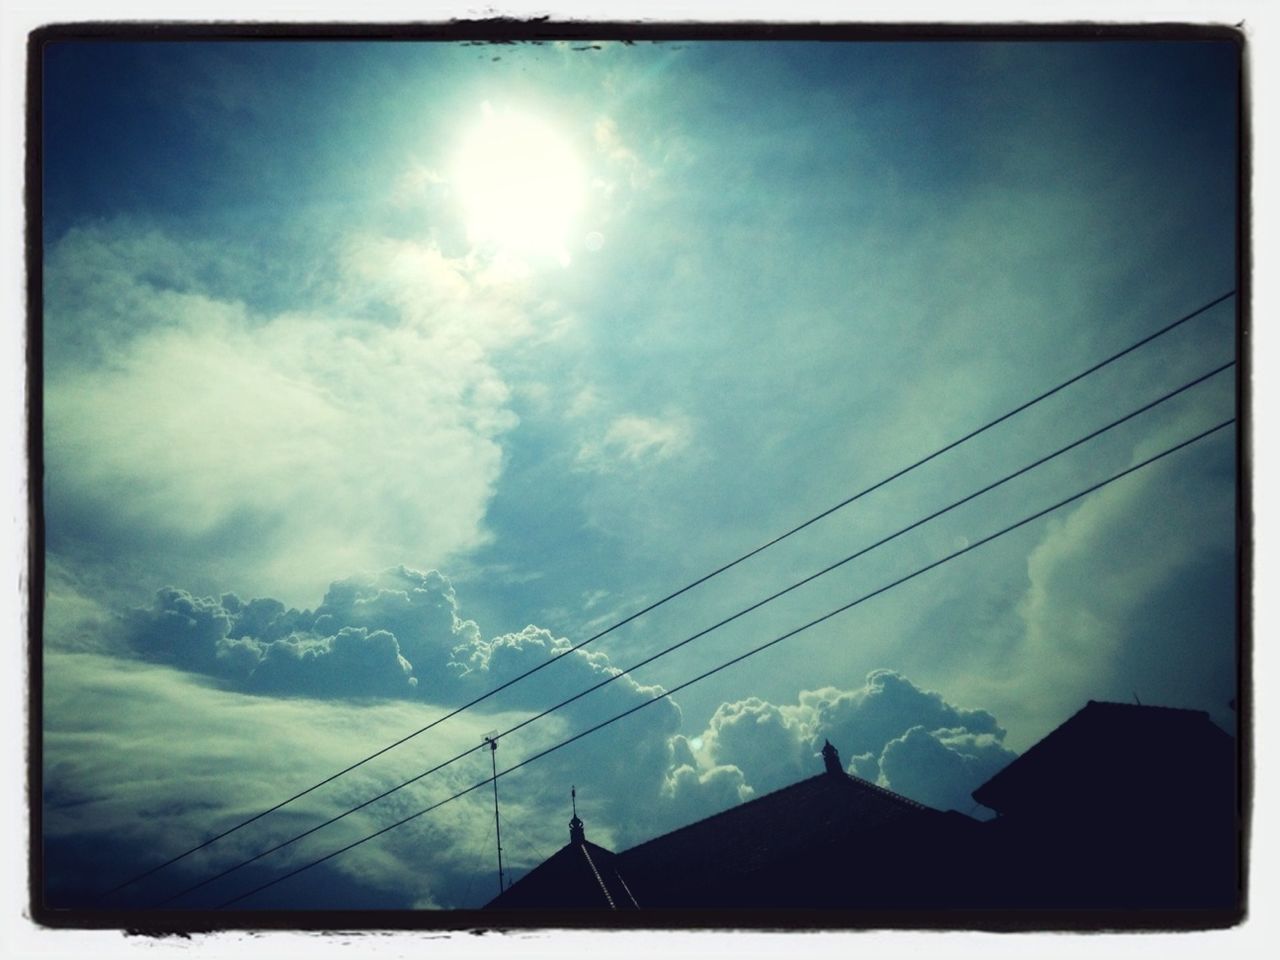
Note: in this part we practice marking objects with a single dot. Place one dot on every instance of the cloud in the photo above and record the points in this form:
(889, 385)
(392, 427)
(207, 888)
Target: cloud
(622, 159)
(180, 630)
(693, 792)
(1134, 590)
(148, 753)
(275, 448)
(942, 768)
(143, 761)
(395, 634)
(73, 619)
(888, 730)
(772, 743)
(383, 643)
(631, 440)
(390, 635)
(888, 704)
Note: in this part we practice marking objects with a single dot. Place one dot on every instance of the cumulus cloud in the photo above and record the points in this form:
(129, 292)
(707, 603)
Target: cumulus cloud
(889, 731)
(772, 742)
(692, 793)
(942, 768)
(390, 635)
(886, 705)
(399, 637)
(395, 634)
(321, 687)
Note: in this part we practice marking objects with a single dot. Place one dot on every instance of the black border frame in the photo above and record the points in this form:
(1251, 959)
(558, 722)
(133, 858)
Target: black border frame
(505, 30)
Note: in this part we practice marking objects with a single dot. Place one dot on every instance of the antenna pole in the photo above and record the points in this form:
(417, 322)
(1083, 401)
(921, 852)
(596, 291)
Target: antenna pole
(493, 755)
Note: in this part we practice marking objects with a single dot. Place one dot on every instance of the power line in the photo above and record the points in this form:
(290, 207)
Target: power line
(701, 633)
(681, 591)
(738, 659)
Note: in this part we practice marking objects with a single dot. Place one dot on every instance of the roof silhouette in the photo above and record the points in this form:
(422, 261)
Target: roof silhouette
(792, 847)
(1121, 807)
(1115, 755)
(578, 874)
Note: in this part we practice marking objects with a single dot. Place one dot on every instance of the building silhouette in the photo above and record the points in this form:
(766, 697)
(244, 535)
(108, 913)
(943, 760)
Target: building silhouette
(1121, 807)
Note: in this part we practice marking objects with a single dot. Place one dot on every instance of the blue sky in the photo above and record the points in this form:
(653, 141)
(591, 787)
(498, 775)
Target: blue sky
(292, 355)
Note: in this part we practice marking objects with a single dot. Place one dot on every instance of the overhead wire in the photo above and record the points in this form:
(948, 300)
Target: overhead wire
(681, 591)
(738, 659)
(627, 671)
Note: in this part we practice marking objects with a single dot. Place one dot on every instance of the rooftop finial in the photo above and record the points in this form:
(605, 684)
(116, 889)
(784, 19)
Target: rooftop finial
(577, 834)
(831, 758)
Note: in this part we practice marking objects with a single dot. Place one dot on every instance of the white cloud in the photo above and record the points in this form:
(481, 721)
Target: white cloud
(1133, 591)
(942, 768)
(132, 747)
(693, 794)
(632, 440)
(771, 743)
(620, 156)
(888, 730)
(280, 449)
(142, 762)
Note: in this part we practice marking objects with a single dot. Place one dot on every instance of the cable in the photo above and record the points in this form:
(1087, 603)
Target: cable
(727, 620)
(677, 593)
(738, 659)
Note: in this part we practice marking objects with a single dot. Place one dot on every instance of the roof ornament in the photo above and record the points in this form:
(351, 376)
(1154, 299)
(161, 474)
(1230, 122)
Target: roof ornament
(577, 835)
(831, 758)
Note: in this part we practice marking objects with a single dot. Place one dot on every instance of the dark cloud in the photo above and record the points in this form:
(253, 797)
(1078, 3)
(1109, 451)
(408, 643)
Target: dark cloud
(351, 663)
(180, 630)
(391, 635)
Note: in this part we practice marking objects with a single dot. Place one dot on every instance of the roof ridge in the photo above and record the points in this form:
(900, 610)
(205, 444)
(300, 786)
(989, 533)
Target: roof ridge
(867, 784)
(600, 880)
(1142, 706)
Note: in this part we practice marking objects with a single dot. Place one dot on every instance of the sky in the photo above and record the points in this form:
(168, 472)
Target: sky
(376, 374)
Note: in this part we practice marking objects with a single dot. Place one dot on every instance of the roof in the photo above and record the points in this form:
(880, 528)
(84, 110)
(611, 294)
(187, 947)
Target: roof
(796, 846)
(1117, 755)
(804, 845)
(1121, 806)
(577, 875)
(815, 810)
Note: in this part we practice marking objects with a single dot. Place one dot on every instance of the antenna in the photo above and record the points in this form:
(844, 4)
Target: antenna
(491, 738)
(573, 798)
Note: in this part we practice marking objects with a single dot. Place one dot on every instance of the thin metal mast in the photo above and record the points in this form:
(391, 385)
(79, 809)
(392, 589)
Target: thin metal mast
(493, 755)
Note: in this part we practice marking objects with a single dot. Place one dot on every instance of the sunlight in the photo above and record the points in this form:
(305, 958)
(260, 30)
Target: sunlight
(519, 184)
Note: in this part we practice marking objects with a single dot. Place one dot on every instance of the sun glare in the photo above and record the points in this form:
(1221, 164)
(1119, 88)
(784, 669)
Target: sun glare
(519, 184)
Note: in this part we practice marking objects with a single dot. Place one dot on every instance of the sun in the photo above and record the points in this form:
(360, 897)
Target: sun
(519, 184)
